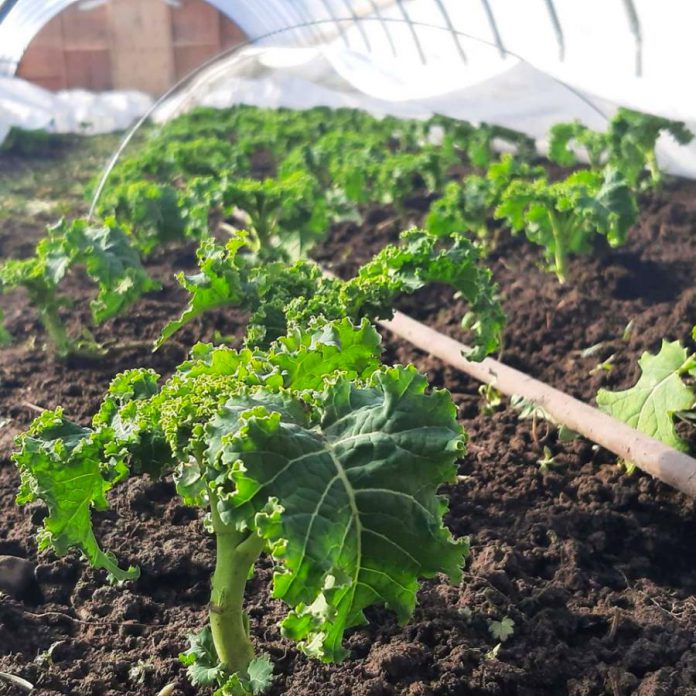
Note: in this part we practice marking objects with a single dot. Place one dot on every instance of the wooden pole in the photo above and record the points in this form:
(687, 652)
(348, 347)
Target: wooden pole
(652, 456)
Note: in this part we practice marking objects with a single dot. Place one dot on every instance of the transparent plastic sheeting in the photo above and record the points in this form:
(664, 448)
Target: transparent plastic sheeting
(501, 61)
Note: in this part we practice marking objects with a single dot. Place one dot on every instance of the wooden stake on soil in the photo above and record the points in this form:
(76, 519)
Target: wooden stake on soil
(670, 466)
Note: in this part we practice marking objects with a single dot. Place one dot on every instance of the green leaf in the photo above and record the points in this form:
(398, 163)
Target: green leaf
(235, 685)
(112, 263)
(560, 136)
(201, 660)
(134, 434)
(282, 297)
(150, 210)
(357, 483)
(260, 674)
(60, 464)
(563, 217)
(480, 145)
(288, 214)
(5, 335)
(650, 405)
(423, 258)
(563, 134)
(633, 137)
(221, 281)
(308, 356)
(502, 630)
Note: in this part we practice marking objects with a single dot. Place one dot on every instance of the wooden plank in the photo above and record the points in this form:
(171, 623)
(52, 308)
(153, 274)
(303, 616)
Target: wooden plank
(188, 58)
(230, 33)
(89, 69)
(127, 44)
(86, 29)
(195, 23)
(142, 49)
(43, 63)
(39, 62)
(50, 35)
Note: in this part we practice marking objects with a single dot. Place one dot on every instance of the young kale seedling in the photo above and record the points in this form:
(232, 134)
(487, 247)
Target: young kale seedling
(287, 215)
(563, 136)
(151, 212)
(633, 137)
(564, 217)
(402, 174)
(467, 206)
(628, 145)
(109, 261)
(480, 144)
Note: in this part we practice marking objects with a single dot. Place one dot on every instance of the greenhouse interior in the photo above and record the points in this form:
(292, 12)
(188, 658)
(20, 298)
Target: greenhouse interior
(347, 348)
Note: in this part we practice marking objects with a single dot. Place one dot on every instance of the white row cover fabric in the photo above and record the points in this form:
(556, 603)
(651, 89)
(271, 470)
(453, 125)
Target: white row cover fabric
(25, 105)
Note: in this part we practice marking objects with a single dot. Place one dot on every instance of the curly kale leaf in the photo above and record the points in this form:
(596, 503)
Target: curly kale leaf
(423, 258)
(111, 262)
(61, 464)
(563, 135)
(467, 206)
(288, 215)
(401, 173)
(222, 280)
(151, 211)
(651, 403)
(480, 144)
(104, 252)
(281, 296)
(633, 137)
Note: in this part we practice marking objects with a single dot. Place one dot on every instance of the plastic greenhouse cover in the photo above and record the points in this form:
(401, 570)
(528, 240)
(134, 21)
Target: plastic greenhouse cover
(508, 71)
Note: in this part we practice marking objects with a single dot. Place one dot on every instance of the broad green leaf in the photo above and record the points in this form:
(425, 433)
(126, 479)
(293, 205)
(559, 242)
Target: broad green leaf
(60, 464)
(650, 405)
(360, 520)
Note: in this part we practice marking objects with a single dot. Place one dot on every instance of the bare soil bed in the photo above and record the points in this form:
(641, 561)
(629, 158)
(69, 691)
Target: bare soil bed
(596, 568)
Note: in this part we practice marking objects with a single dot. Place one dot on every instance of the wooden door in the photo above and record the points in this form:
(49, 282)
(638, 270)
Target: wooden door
(127, 44)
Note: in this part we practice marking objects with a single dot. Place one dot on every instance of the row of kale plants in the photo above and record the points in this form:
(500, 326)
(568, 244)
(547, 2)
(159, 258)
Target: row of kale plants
(302, 443)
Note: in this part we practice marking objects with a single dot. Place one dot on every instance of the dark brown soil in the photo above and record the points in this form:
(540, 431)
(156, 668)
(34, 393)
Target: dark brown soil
(596, 569)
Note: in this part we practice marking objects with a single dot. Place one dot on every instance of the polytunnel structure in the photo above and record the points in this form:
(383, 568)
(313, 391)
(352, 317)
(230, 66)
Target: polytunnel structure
(347, 348)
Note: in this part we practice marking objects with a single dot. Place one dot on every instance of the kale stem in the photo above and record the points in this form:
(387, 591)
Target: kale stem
(559, 254)
(236, 554)
(653, 167)
(55, 329)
